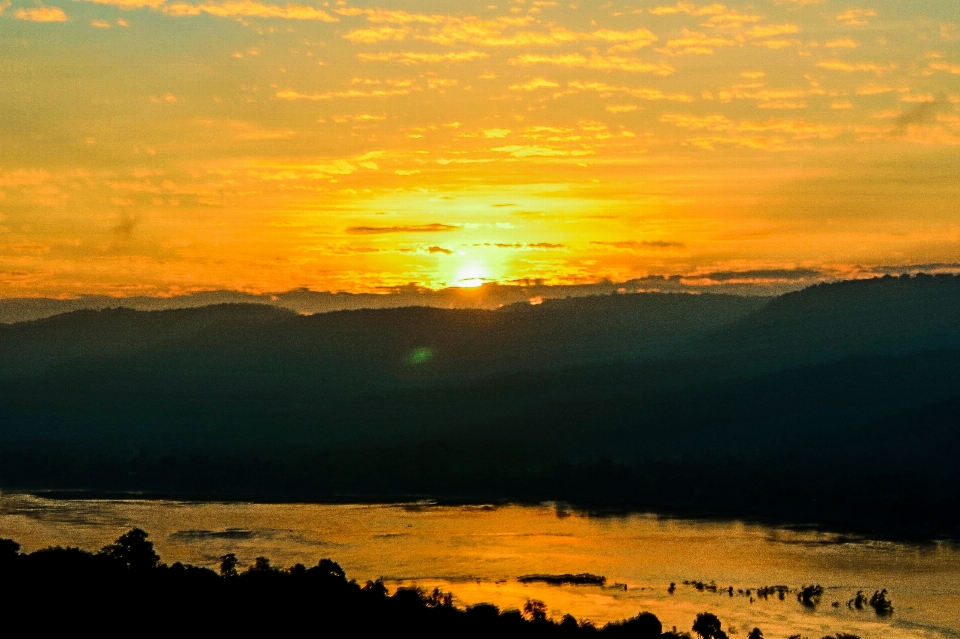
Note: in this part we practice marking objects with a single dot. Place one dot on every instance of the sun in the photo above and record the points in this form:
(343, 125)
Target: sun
(472, 276)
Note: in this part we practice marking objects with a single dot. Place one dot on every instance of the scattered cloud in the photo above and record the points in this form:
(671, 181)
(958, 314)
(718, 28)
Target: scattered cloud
(130, 4)
(644, 93)
(378, 34)
(953, 69)
(690, 9)
(288, 94)
(842, 43)
(856, 17)
(408, 58)
(125, 226)
(646, 244)
(771, 30)
(413, 228)
(249, 9)
(695, 43)
(848, 67)
(528, 151)
(41, 14)
(536, 83)
(595, 61)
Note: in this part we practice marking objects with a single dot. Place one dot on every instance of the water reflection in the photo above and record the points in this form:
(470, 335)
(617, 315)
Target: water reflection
(480, 552)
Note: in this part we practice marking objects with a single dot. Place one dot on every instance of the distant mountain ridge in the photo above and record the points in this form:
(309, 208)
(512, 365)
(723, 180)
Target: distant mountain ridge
(626, 400)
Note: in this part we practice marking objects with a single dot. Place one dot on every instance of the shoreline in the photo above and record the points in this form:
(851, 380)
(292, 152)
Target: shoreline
(920, 535)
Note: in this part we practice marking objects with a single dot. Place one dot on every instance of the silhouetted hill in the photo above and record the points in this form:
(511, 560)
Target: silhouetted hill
(626, 401)
(830, 322)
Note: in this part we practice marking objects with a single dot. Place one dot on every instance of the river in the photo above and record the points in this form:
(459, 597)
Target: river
(479, 552)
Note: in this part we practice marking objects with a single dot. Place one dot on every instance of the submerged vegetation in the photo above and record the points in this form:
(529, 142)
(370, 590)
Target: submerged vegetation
(126, 586)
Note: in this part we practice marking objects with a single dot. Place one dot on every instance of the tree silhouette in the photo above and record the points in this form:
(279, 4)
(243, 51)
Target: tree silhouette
(880, 603)
(707, 625)
(756, 633)
(228, 565)
(535, 610)
(8, 550)
(133, 550)
(261, 565)
(376, 588)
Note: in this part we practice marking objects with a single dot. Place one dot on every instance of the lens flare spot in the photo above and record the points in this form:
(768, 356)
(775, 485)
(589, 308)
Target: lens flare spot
(420, 356)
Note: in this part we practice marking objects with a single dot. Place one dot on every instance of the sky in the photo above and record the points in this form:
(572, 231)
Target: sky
(163, 147)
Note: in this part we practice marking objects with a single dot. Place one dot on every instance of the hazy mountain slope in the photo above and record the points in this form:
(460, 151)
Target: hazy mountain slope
(831, 322)
(790, 400)
(406, 344)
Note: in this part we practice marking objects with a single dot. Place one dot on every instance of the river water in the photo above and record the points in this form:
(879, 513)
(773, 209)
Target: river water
(479, 552)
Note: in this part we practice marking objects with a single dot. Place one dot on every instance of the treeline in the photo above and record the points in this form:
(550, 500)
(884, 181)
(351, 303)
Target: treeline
(126, 587)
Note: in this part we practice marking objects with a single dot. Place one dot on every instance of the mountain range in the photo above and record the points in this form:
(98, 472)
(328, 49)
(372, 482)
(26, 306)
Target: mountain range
(838, 404)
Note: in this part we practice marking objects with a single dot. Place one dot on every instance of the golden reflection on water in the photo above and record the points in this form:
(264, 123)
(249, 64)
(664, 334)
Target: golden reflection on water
(477, 553)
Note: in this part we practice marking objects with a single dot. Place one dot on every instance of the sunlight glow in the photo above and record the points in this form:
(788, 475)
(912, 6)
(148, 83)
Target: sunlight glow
(472, 276)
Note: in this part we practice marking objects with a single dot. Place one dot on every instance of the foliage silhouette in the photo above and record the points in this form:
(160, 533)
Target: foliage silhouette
(126, 588)
(133, 550)
(708, 626)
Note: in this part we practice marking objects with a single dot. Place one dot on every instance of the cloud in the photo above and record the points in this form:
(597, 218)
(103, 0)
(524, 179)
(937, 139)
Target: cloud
(874, 89)
(41, 14)
(472, 30)
(694, 43)
(630, 244)
(689, 8)
(379, 34)
(536, 83)
(771, 30)
(953, 69)
(248, 9)
(925, 112)
(855, 17)
(496, 133)
(439, 249)
(392, 17)
(842, 43)
(130, 4)
(544, 246)
(637, 92)
(3, 5)
(596, 61)
(415, 228)
(125, 226)
(419, 58)
(760, 274)
(839, 65)
(532, 151)
(749, 134)
(767, 97)
(23, 177)
(288, 94)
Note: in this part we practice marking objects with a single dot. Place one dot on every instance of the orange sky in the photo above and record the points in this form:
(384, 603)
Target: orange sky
(159, 146)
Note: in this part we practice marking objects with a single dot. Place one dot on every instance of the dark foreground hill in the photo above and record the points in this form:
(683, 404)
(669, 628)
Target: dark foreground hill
(839, 404)
(125, 588)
